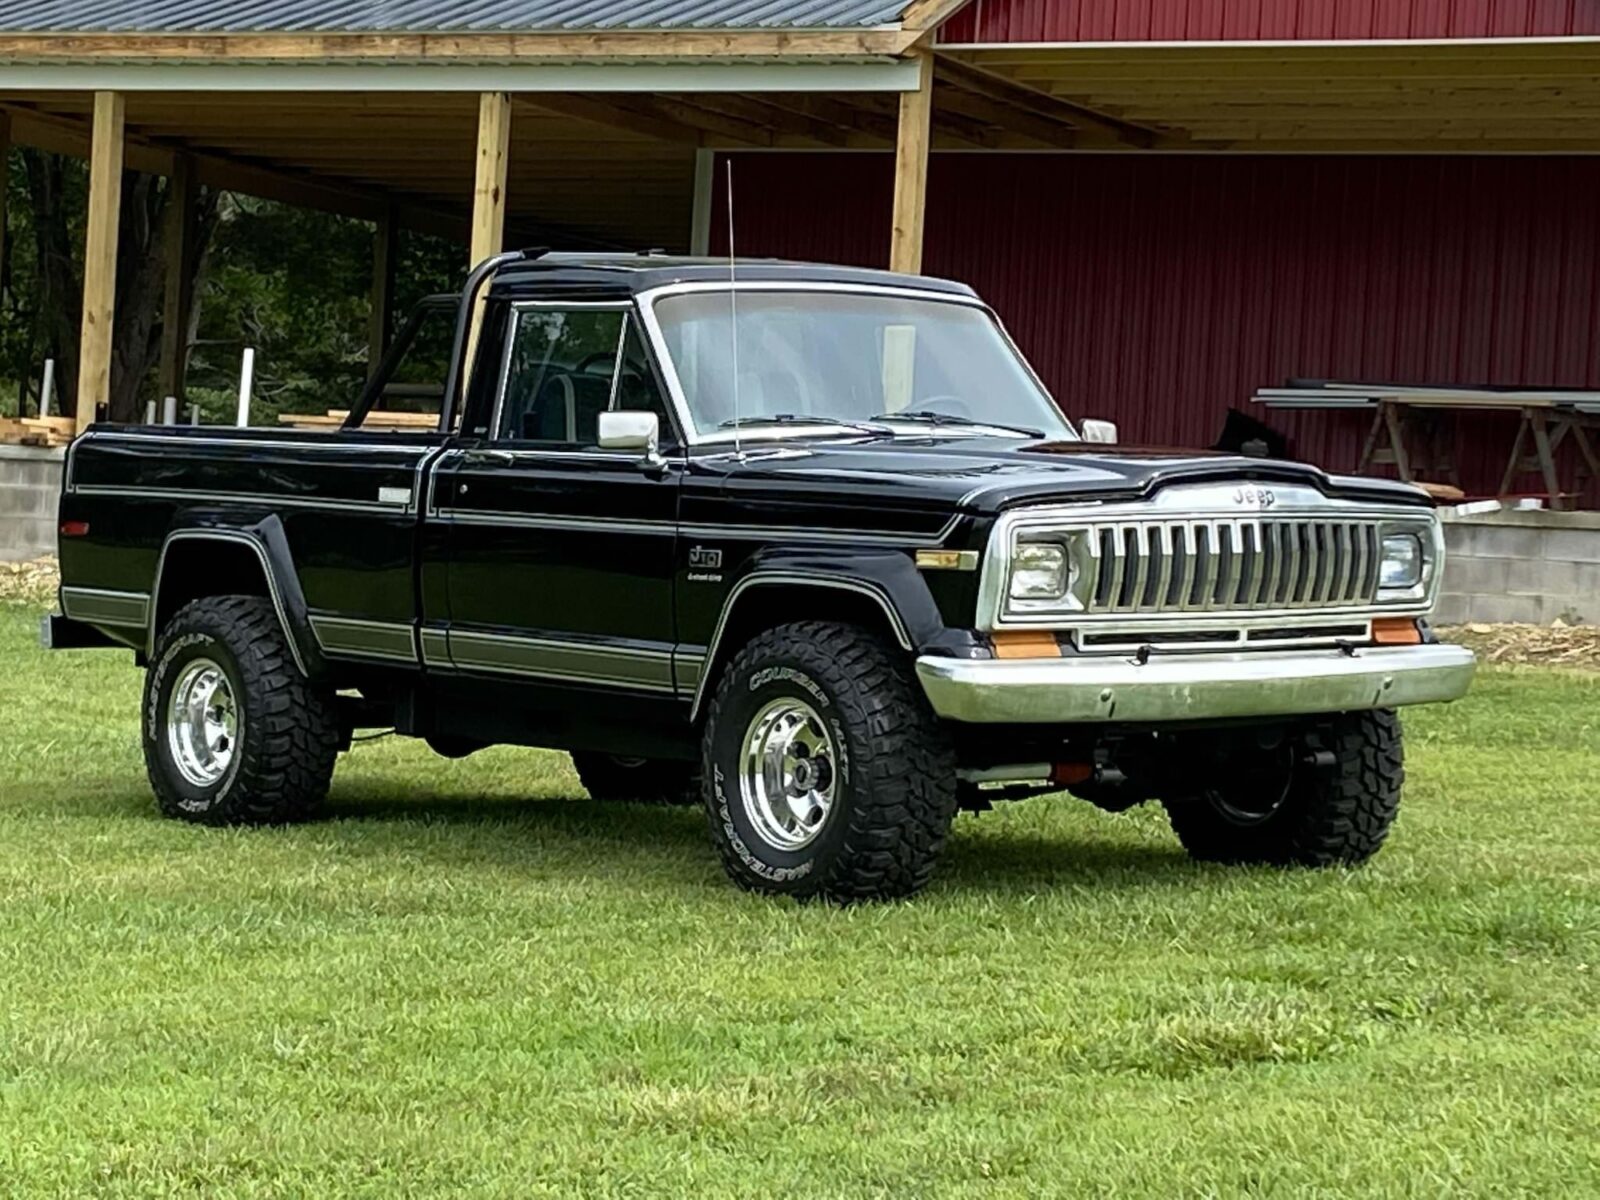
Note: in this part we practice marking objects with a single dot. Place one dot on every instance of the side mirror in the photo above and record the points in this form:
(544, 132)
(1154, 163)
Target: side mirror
(1099, 431)
(629, 431)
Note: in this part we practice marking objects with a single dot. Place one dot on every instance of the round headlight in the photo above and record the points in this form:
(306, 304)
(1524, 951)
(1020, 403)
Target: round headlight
(1402, 561)
(1038, 572)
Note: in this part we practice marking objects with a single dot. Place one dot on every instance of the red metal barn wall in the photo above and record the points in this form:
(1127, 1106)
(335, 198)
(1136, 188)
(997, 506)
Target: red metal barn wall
(1252, 20)
(1158, 290)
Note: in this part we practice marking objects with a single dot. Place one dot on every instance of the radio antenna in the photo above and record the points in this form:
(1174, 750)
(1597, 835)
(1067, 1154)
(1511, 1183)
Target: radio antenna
(733, 318)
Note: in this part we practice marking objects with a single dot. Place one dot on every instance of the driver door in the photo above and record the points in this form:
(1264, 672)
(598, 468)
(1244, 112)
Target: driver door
(560, 554)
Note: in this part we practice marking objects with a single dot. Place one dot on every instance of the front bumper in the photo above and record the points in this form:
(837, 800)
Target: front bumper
(1193, 687)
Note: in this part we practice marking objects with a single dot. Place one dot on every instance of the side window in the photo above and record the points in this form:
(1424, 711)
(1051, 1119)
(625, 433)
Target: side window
(567, 366)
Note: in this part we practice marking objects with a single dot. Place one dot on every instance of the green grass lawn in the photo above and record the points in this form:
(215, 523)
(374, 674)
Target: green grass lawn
(472, 980)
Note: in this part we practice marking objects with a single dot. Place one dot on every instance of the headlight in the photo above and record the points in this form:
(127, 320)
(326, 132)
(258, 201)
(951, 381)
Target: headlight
(1402, 562)
(1038, 572)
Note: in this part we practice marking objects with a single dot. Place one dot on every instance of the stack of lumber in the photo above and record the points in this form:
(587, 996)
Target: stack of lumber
(335, 417)
(1320, 394)
(37, 431)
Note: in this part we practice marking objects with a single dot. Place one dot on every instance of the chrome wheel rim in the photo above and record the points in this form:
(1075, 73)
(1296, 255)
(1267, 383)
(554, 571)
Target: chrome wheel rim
(202, 723)
(788, 777)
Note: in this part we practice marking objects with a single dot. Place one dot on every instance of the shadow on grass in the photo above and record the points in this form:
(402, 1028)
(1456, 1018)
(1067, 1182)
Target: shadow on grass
(1018, 861)
(671, 844)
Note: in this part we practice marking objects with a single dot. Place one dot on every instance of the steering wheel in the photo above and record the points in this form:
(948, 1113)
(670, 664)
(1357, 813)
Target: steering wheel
(589, 360)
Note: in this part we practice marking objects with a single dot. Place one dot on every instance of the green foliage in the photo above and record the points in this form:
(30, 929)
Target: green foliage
(296, 286)
(293, 283)
(21, 352)
(473, 981)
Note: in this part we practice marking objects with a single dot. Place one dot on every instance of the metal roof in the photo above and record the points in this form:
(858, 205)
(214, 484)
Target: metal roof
(436, 16)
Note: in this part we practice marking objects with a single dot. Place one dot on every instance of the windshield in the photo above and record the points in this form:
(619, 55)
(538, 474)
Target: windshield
(842, 360)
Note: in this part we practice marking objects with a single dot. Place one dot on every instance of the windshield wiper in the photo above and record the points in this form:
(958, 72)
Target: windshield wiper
(925, 417)
(797, 419)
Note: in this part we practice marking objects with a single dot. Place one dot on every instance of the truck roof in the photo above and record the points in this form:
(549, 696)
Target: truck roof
(643, 272)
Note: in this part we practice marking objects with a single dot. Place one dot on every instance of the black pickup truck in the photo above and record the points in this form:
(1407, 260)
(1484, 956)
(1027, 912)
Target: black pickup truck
(810, 546)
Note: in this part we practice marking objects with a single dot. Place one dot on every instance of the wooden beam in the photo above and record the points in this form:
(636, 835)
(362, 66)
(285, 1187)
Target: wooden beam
(911, 171)
(1045, 103)
(64, 135)
(380, 316)
(458, 47)
(100, 256)
(178, 285)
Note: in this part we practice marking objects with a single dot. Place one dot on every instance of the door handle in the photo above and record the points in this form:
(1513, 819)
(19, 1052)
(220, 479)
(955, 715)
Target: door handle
(501, 457)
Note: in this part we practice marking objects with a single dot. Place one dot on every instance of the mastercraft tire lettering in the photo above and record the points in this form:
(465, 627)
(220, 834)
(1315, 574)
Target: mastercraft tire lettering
(826, 773)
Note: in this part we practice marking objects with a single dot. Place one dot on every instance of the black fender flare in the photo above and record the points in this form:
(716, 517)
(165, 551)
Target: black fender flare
(889, 578)
(265, 538)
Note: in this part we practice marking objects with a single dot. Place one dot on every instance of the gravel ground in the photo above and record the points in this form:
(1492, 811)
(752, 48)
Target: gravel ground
(1550, 645)
(34, 581)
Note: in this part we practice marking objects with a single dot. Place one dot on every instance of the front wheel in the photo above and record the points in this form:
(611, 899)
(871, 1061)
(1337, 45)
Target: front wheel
(826, 771)
(233, 733)
(1286, 808)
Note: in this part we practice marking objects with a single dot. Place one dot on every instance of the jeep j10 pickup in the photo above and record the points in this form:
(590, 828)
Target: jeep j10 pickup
(812, 547)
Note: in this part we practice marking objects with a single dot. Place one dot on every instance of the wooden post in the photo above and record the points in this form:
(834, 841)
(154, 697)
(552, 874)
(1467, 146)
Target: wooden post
(380, 320)
(911, 171)
(489, 186)
(100, 257)
(488, 202)
(178, 299)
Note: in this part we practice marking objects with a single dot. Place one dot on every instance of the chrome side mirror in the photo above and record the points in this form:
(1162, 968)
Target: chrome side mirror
(631, 431)
(1104, 432)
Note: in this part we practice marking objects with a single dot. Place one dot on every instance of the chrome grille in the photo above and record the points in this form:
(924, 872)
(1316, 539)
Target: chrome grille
(1233, 564)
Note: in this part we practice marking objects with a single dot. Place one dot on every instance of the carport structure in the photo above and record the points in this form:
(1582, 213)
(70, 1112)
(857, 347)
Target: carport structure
(1171, 201)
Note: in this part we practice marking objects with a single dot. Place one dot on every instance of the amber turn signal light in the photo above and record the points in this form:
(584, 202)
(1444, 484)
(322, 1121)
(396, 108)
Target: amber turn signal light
(1026, 643)
(1396, 631)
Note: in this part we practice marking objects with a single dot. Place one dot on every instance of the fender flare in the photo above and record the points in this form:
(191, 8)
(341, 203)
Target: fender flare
(265, 538)
(888, 578)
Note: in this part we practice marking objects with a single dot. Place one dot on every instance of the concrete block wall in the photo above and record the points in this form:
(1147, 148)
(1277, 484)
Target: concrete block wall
(30, 488)
(1522, 567)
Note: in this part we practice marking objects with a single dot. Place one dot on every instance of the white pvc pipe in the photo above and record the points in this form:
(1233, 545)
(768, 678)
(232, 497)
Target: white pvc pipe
(194, 414)
(169, 411)
(47, 388)
(149, 412)
(247, 375)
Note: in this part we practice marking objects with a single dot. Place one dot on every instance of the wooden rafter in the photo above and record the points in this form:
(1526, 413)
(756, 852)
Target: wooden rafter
(602, 110)
(1007, 91)
(1004, 117)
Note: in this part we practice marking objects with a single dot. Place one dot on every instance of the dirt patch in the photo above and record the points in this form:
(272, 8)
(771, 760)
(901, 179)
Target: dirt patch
(1544, 645)
(33, 581)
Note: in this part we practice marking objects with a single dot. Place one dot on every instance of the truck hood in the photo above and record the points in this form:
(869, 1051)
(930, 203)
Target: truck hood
(985, 476)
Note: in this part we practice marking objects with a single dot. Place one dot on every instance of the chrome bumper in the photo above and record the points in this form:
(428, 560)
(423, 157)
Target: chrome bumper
(1193, 687)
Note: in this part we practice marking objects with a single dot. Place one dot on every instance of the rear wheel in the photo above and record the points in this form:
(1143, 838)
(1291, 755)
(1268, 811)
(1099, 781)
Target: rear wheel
(233, 732)
(612, 777)
(1285, 808)
(828, 773)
